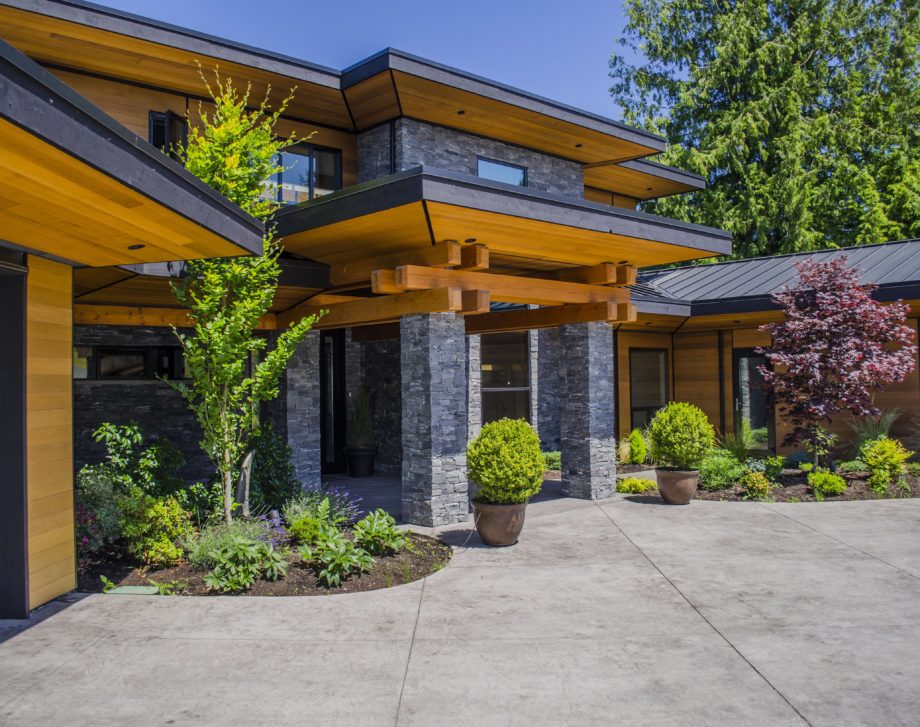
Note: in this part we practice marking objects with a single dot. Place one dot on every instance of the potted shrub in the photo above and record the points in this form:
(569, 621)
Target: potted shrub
(506, 463)
(361, 446)
(680, 437)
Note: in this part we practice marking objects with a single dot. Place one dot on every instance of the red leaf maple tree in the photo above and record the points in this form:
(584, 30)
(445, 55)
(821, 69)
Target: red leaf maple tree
(836, 347)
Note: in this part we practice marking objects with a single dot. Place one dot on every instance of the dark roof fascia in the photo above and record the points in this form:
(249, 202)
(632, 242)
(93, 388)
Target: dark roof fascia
(662, 171)
(137, 26)
(464, 190)
(397, 60)
(39, 103)
(658, 307)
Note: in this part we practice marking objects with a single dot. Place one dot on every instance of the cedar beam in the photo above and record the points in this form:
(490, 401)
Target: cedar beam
(123, 315)
(550, 317)
(502, 288)
(474, 257)
(447, 254)
(370, 311)
(603, 274)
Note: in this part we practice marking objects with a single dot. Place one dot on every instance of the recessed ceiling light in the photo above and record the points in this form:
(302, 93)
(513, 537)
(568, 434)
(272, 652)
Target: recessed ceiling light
(461, 112)
(136, 247)
(736, 321)
(648, 189)
(622, 262)
(470, 239)
(578, 146)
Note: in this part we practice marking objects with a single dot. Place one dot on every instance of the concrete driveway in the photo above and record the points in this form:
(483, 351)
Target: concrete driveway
(617, 612)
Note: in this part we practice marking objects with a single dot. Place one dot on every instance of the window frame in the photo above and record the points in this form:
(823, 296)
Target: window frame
(169, 118)
(667, 383)
(528, 389)
(502, 163)
(148, 352)
(311, 186)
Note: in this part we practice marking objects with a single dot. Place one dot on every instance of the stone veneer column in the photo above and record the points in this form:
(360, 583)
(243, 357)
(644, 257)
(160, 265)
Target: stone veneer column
(474, 384)
(587, 416)
(435, 489)
(303, 412)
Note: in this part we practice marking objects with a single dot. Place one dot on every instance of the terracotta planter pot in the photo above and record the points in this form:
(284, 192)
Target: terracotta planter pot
(677, 486)
(499, 524)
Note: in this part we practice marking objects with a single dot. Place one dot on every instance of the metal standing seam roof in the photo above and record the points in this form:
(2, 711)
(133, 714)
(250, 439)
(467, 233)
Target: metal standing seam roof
(884, 264)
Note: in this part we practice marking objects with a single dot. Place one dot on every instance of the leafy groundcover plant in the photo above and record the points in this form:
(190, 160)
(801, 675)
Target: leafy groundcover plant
(720, 470)
(634, 485)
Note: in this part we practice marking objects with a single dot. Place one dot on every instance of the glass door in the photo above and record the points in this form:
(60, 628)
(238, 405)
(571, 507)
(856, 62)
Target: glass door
(332, 400)
(751, 401)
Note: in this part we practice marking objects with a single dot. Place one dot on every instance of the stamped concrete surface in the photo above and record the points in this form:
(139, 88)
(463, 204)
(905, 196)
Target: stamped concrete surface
(622, 611)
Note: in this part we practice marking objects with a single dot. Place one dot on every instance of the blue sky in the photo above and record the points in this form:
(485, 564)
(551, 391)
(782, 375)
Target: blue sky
(556, 49)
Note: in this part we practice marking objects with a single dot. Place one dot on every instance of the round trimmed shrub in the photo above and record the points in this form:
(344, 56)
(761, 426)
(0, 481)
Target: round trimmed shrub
(506, 462)
(680, 436)
(826, 483)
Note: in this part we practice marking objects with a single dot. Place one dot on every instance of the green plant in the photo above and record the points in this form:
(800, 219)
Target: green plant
(720, 470)
(826, 483)
(913, 468)
(241, 562)
(552, 460)
(307, 529)
(336, 558)
(756, 486)
(200, 546)
(637, 447)
(130, 464)
(377, 533)
(885, 458)
(806, 466)
(739, 442)
(634, 485)
(273, 480)
(680, 436)
(234, 150)
(360, 430)
(406, 572)
(851, 466)
(336, 507)
(506, 462)
(153, 528)
(623, 451)
(167, 588)
(773, 466)
(107, 585)
(819, 444)
(98, 518)
(868, 428)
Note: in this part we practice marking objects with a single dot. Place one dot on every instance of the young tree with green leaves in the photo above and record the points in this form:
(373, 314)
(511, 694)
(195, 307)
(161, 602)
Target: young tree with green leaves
(802, 115)
(234, 150)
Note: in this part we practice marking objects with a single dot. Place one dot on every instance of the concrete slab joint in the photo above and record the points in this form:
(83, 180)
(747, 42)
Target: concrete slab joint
(434, 418)
(587, 411)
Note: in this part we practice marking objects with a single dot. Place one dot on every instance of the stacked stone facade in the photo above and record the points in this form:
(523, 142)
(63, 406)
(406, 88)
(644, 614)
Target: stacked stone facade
(434, 418)
(302, 411)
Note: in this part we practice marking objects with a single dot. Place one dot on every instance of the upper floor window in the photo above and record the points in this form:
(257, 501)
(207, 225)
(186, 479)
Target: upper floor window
(501, 172)
(126, 363)
(167, 131)
(309, 172)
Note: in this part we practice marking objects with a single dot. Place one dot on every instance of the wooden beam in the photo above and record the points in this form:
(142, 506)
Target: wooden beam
(448, 254)
(368, 311)
(123, 315)
(603, 274)
(523, 320)
(502, 288)
(476, 301)
(474, 257)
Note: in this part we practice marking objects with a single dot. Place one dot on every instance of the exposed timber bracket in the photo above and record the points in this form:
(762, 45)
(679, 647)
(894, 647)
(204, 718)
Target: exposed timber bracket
(446, 254)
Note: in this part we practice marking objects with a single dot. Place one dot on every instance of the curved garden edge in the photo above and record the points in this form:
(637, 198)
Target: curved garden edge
(427, 555)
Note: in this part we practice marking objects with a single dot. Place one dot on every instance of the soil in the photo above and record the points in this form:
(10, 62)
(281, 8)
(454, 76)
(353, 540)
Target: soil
(425, 556)
(795, 489)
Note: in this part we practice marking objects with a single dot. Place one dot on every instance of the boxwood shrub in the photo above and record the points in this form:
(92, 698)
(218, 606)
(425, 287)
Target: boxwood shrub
(680, 436)
(506, 462)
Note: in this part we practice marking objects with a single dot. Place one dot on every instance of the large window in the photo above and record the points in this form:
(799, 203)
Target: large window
(648, 384)
(501, 172)
(128, 363)
(167, 132)
(505, 376)
(309, 172)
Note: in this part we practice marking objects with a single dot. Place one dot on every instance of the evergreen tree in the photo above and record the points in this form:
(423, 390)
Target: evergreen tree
(802, 115)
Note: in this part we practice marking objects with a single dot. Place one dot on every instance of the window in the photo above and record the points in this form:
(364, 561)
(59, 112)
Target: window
(648, 384)
(168, 132)
(501, 172)
(309, 172)
(505, 376)
(128, 363)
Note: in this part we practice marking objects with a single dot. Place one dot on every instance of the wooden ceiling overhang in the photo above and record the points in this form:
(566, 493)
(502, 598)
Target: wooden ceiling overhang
(641, 179)
(76, 185)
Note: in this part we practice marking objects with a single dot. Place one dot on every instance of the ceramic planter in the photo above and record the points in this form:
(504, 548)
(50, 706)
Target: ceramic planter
(499, 524)
(360, 461)
(677, 487)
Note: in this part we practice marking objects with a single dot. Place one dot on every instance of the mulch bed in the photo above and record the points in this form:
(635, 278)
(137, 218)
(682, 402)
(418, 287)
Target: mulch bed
(426, 556)
(795, 488)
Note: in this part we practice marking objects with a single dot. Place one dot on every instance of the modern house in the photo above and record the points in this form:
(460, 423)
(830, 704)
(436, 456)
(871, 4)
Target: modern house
(476, 249)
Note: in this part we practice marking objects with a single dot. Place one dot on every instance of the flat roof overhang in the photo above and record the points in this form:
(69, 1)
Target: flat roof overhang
(393, 83)
(642, 179)
(76, 185)
(80, 35)
(524, 229)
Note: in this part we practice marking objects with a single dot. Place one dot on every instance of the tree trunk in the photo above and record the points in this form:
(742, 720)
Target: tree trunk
(227, 477)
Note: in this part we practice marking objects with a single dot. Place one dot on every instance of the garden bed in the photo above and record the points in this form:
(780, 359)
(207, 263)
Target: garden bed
(794, 488)
(425, 556)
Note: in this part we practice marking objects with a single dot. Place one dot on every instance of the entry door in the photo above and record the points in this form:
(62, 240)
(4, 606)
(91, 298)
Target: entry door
(752, 403)
(332, 400)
